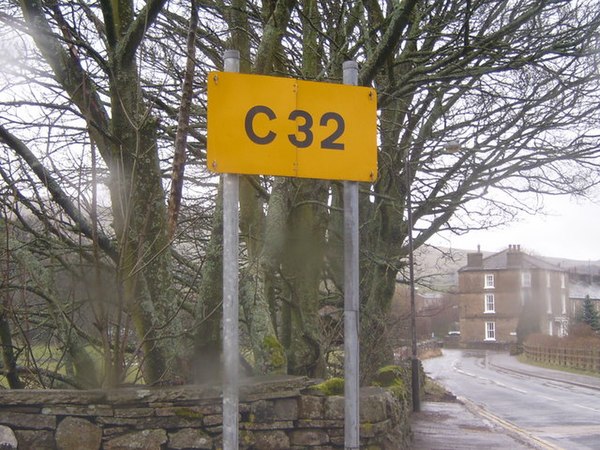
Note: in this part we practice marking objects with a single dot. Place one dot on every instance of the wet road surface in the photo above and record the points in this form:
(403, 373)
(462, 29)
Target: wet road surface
(452, 426)
(549, 409)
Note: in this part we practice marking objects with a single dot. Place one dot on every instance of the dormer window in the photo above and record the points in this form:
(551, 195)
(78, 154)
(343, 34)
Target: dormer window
(488, 282)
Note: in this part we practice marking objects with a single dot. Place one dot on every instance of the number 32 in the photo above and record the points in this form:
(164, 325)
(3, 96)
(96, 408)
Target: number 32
(304, 136)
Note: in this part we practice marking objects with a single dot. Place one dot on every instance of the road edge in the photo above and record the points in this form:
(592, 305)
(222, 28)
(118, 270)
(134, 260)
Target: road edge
(518, 433)
(555, 379)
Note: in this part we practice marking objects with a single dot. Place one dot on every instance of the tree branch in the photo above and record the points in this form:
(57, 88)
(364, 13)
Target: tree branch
(272, 35)
(399, 20)
(71, 76)
(58, 195)
(129, 43)
(179, 157)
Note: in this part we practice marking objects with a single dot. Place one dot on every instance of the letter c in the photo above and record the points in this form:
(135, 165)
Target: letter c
(249, 122)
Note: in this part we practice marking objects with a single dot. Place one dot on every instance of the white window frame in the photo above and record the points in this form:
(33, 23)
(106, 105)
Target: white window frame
(562, 281)
(489, 300)
(549, 302)
(490, 331)
(562, 329)
(563, 303)
(548, 279)
(526, 279)
(489, 281)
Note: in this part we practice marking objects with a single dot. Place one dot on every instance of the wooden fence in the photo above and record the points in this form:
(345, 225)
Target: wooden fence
(576, 358)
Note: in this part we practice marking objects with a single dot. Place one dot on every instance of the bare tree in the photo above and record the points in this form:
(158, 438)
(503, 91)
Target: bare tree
(92, 103)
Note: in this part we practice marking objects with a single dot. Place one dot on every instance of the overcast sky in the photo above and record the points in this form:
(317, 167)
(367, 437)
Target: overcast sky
(571, 229)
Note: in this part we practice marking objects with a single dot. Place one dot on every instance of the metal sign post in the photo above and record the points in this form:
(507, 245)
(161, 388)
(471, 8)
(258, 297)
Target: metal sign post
(230, 292)
(351, 303)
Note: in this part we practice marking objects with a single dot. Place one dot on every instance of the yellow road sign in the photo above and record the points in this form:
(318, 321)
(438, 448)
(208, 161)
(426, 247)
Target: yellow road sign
(286, 127)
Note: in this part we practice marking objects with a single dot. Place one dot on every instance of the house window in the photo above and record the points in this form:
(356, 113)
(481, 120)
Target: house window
(563, 304)
(548, 302)
(562, 280)
(526, 279)
(490, 304)
(488, 281)
(548, 279)
(490, 331)
(562, 328)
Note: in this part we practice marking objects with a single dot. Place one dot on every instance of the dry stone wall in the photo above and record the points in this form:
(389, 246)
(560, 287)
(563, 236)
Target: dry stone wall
(282, 413)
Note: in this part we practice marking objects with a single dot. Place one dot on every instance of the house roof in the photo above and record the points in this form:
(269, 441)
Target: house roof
(580, 289)
(499, 261)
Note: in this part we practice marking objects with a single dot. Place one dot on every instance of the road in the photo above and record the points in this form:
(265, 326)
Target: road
(532, 401)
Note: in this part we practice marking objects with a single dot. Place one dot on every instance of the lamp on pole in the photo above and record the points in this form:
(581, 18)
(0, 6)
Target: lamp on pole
(414, 359)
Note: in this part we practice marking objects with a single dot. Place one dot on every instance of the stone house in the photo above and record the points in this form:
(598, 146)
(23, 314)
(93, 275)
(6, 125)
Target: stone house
(509, 294)
(584, 281)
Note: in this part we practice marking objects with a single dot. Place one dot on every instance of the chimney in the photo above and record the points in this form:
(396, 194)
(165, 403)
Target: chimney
(514, 257)
(475, 259)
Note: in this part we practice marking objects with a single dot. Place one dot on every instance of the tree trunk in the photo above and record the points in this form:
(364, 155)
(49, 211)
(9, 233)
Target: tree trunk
(8, 352)
(255, 284)
(258, 300)
(140, 224)
(206, 357)
(381, 251)
(303, 270)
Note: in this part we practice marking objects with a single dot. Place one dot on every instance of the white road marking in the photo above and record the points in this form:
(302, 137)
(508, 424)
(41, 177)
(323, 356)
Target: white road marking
(490, 380)
(586, 407)
(522, 391)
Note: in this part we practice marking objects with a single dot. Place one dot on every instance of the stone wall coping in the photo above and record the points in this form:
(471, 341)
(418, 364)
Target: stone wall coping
(251, 388)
